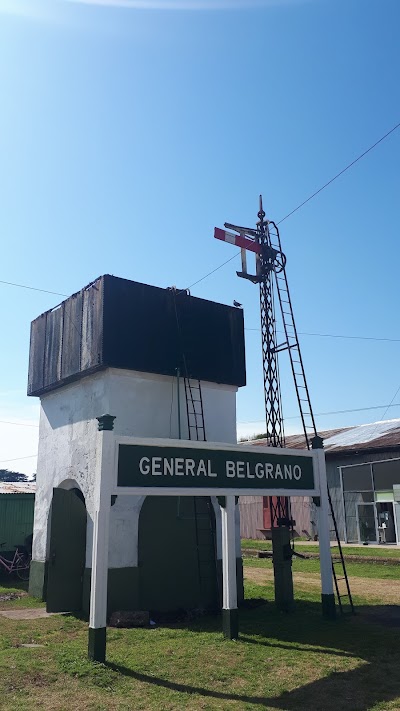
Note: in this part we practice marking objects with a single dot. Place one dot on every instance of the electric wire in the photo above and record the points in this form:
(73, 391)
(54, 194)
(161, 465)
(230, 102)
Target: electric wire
(339, 174)
(313, 195)
(17, 459)
(32, 288)
(332, 412)
(212, 272)
(337, 335)
(388, 406)
(17, 424)
(250, 422)
(301, 333)
(335, 177)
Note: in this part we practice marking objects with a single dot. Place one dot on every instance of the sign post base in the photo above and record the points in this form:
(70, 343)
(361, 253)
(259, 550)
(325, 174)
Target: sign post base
(328, 607)
(97, 644)
(230, 623)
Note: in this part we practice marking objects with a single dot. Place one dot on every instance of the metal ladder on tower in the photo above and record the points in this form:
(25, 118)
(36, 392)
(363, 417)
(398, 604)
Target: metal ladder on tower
(291, 344)
(194, 409)
(202, 513)
(202, 507)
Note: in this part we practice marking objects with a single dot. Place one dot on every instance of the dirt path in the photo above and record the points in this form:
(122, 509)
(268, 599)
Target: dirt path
(26, 613)
(386, 591)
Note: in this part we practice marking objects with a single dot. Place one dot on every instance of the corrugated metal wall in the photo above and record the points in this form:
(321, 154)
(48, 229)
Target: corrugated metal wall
(251, 516)
(303, 512)
(16, 519)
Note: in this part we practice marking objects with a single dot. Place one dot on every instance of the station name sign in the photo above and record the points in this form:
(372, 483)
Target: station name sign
(157, 466)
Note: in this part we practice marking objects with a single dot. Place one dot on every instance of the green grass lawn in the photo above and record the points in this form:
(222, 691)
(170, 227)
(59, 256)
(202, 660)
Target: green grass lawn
(288, 662)
(9, 584)
(357, 570)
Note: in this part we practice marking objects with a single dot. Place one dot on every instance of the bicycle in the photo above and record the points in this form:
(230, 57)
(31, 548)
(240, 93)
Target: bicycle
(19, 564)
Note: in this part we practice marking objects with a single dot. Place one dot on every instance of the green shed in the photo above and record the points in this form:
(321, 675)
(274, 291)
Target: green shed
(17, 502)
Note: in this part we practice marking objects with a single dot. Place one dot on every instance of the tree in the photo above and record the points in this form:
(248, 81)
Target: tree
(7, 475)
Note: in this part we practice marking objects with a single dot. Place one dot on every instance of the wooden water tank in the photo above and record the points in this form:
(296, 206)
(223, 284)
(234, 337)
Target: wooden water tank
(118, 323)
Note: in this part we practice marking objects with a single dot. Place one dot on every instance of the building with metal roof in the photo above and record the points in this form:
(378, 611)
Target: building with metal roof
(363, 470)
(17, 501)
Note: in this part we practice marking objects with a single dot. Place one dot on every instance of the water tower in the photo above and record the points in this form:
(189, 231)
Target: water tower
(163, 364)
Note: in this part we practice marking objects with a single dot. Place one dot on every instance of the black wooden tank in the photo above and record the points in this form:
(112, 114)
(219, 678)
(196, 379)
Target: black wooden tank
(117, 323)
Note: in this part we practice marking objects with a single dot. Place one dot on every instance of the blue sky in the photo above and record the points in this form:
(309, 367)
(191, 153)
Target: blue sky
(128, 130)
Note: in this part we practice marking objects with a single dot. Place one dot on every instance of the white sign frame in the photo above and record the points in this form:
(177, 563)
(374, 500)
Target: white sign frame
(212, 491)
(106, 485)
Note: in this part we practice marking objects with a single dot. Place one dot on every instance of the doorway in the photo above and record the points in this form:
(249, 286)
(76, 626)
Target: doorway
(177, 554)
(366, 523)
(386, 523)
(67, 551)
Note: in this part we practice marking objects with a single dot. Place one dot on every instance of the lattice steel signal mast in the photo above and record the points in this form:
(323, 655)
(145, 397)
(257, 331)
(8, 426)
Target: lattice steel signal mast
(271, 276)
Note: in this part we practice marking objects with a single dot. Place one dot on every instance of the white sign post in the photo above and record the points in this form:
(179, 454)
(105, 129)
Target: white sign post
(325, 557)
(229, 583)
(99, 577)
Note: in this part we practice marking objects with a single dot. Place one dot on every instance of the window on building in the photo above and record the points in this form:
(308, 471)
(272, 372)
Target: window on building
(358, 478)
(386, 474)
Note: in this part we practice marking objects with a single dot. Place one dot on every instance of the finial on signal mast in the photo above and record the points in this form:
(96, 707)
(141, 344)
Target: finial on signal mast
(261, 213)
(261, 217)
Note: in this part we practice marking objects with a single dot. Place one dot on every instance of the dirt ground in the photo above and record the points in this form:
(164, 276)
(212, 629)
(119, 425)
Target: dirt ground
(387, 592)
(28, 613)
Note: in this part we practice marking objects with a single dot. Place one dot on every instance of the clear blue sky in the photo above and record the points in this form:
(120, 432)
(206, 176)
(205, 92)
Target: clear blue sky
(127, 132)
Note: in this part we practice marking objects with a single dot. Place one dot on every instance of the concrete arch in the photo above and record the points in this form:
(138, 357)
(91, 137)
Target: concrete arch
(69, 484)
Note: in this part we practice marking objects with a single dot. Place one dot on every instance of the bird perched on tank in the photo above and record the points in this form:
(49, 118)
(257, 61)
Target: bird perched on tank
(236, 303)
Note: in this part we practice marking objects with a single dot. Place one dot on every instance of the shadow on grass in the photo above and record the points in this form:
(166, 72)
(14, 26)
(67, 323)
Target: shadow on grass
(184, 688)
(361, 640)
(13, 582)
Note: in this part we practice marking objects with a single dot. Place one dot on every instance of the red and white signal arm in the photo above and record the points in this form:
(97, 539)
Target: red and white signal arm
(238, 240)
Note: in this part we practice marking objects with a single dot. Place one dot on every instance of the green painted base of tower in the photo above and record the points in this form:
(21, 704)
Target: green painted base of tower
(37, 579)
(328, 606)
(230, 623)
(97, 644)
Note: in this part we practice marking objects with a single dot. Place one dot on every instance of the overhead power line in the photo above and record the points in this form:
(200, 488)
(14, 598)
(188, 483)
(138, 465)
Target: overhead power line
(17, 424)
(32, 288)
(249, 422)
(214, 270)
(335, 177)
(387, 408)
(337, 335)
(391, 402)
(301, 333)
(17, 459)
(333, 412)
(313, 195)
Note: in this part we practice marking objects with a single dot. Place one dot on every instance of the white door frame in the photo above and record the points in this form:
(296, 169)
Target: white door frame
(367, 503)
